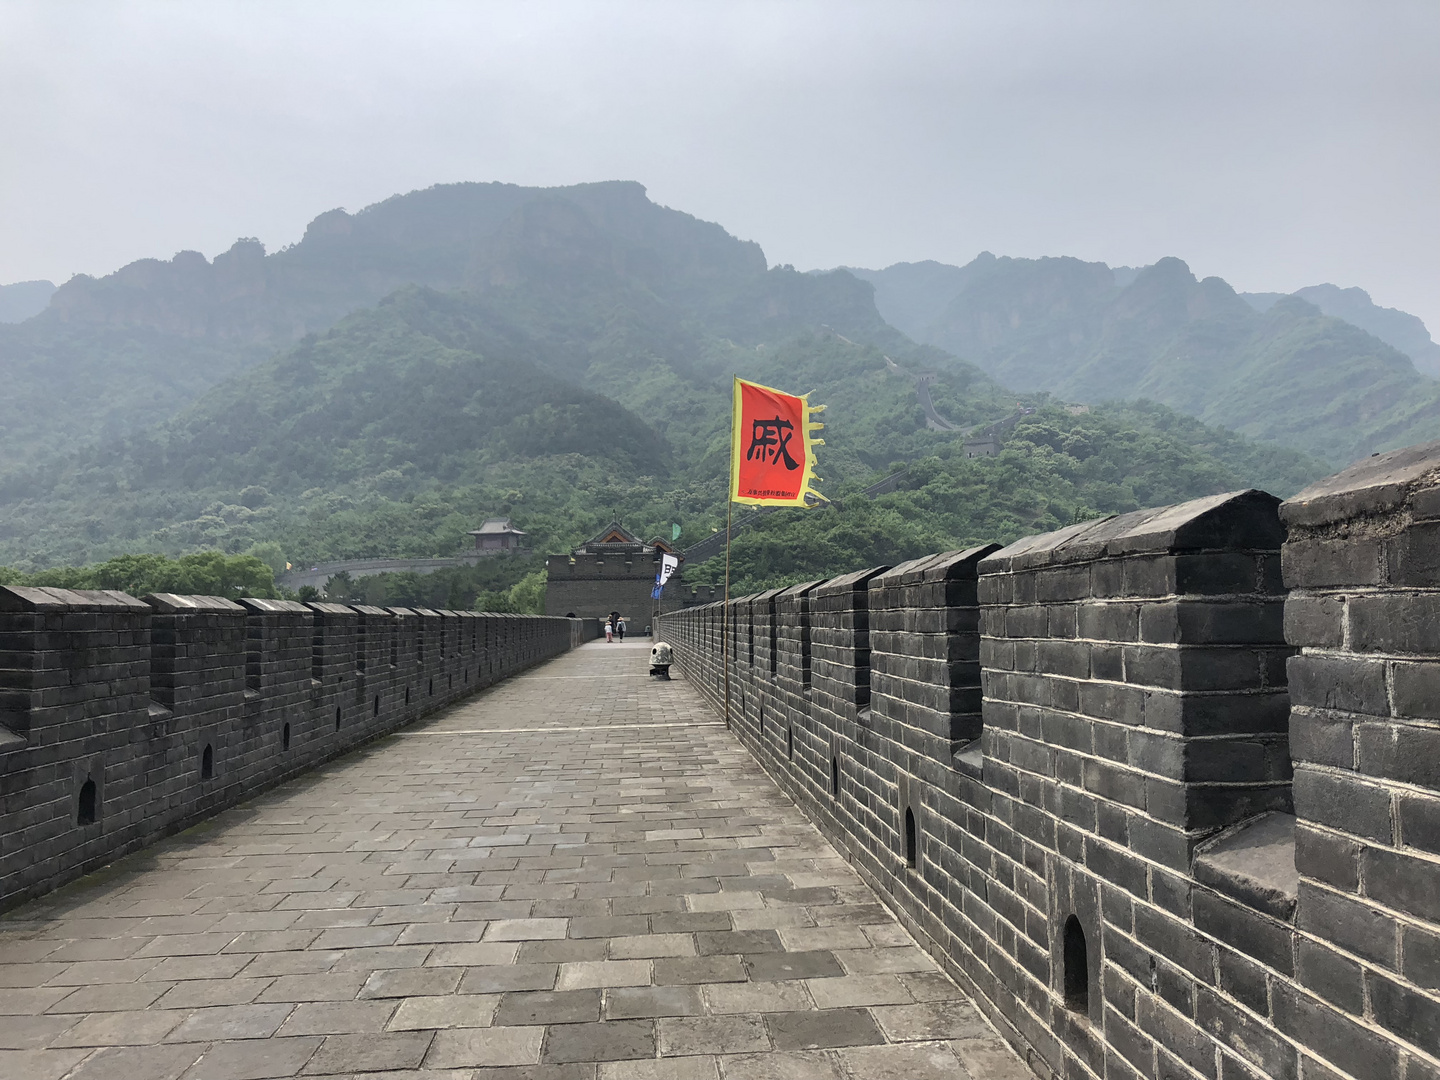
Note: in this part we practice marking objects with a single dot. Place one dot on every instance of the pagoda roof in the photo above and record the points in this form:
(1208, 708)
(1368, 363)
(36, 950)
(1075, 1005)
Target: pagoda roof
(614, 533)
(498, 526)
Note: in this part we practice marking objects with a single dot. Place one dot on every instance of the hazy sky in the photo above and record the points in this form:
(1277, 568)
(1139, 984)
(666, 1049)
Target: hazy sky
(1274, 144)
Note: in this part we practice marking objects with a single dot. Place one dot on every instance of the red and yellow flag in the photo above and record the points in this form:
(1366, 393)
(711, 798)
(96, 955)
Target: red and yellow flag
(772, 456)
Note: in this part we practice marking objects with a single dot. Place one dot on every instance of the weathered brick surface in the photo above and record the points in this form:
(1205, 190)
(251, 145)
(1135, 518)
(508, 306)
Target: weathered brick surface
(1095, 728)
(176, 706)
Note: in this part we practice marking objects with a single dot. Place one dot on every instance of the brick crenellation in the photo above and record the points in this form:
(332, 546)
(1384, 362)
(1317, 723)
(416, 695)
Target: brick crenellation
(1161, 790)
(124, 720)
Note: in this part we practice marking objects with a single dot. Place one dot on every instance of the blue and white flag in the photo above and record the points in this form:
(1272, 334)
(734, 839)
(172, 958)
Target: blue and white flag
(668, 564)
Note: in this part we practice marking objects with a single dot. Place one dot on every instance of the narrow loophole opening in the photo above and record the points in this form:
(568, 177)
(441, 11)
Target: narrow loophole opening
(431, 688)
(1077, 967)
(912, 844)
(285, 737)
(790, 744)
(376, 706)
(207, 763)
(834, 776)
(86, 812)
(337, 717)
(407, 695)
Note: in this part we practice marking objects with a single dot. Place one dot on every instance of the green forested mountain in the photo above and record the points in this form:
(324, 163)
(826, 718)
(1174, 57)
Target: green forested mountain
(1288, 374)
(563, 357)
(1399, 329)
(116, 354)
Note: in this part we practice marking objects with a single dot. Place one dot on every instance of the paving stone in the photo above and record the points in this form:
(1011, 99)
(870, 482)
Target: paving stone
(470, 1047)
(884, 936)
(635, 1002)
(928, 986)
(428, 933)
(858, 990)
(337, 1017)
(758, 997)
(787, 1065)
(113, 997)
(930, 1020)
(686, 922)
(569, 951)
(353, 937)
(733, 942)
(990, 1059)
(451, 1011)
(292, 963)
(822, 1028)
(548, 1007)
(712, 1035)
(685, 1068)
(181, 968)
(649, 946)
(526, 929)
(603, 973)
(39, 1064)
(256, 1059)
(121, 1028)
(932, 1061)
(473, 954)
(793, 965)
(411, 982)
(699, 969)
(30, 1032)
(370, 1053)
(232, 1022)
(393, 956)
(874, 961)
(609, 926)
(723, 901)
(32, 1001)
(771, 918)
(803, 938)
(330, 986)
(139, 1063)
(202, 992)
(496, 980)
(611, 1040)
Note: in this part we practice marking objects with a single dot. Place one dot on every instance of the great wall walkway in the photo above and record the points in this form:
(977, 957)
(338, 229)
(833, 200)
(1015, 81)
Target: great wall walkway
(577, 875)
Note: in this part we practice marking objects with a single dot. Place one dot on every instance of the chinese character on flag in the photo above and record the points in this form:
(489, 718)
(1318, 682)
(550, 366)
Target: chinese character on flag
(772, 457)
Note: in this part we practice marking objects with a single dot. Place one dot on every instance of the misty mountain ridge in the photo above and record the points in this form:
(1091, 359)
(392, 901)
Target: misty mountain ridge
(24, 300)
(1290, 374)
(581, 369)
(1396, 328)
(148, 339)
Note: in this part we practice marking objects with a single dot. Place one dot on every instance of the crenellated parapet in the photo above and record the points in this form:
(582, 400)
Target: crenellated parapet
(124, 719)
(1162, 790)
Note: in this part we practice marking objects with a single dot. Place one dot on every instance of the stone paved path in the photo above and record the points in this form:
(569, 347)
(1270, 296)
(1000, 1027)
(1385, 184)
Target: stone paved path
(578, 875)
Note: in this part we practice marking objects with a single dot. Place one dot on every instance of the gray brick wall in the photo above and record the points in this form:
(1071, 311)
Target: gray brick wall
(1088, 736)
(108, 705)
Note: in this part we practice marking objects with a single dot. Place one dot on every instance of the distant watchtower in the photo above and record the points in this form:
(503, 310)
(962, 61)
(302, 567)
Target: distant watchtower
(613, 571)
(497, 536)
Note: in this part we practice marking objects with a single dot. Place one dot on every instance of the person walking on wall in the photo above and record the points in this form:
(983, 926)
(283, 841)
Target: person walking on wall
(609, 630)
(620, 628)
